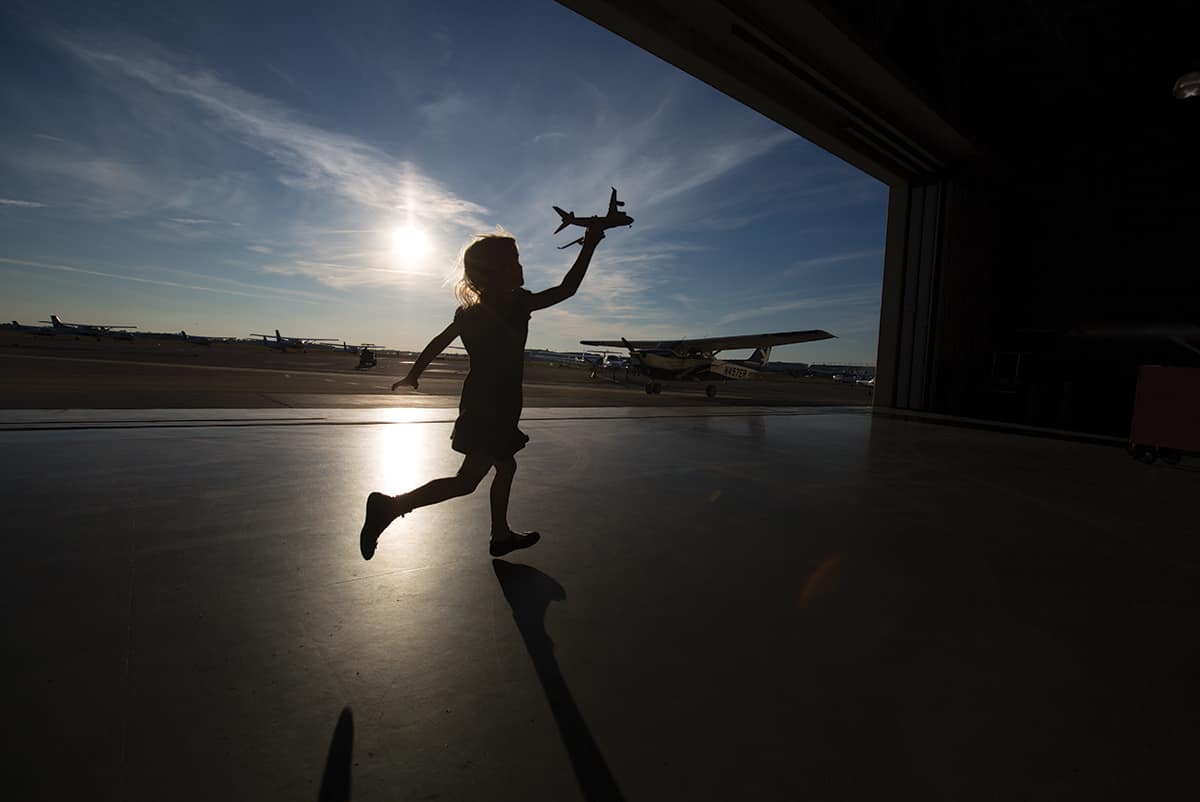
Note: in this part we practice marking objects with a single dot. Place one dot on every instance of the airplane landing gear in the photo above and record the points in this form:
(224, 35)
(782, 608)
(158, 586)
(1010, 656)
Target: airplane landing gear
(711, 391)
(653, 388)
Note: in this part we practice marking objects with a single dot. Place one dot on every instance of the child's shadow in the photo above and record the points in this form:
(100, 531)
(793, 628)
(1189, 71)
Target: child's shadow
(529, 593)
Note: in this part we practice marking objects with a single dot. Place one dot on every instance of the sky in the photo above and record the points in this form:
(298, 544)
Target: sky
(229, 168)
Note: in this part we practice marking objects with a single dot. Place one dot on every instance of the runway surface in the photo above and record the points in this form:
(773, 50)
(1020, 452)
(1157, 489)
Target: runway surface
(766, 604)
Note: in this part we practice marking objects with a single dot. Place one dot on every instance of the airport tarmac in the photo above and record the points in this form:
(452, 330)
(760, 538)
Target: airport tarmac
(767, 604)
(38, 372)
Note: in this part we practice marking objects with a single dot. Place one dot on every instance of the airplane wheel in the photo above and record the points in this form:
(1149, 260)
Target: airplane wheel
(711, 391)
(1146, 454)
(649, 388)
(1169, 456)
(657, 388)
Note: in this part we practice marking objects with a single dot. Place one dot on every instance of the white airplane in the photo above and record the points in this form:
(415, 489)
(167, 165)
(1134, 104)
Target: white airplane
(96, 330)
(295, 343)
(690, 359)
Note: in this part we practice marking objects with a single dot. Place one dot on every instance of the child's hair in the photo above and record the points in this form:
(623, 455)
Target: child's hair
(479, 261)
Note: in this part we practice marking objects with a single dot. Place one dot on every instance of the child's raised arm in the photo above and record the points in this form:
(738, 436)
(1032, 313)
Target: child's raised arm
(570, 282)
(435, 347)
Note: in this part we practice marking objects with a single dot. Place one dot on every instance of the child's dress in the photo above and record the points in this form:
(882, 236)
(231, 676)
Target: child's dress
(490, 407)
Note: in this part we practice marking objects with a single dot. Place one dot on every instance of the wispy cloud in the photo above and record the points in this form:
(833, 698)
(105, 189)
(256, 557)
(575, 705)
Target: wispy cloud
(281, 295)
(344, 276)
(825, 261)
(312, 158)
(49, 138)
(22, 203)
(760, 310)
(193, 221)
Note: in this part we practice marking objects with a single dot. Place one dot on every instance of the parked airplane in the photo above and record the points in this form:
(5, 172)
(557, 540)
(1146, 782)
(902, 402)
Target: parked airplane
(689, 359)
(557, 357)
(15, 326)
(195, 339)
(295, 343)
(614, 218)
(96, 330)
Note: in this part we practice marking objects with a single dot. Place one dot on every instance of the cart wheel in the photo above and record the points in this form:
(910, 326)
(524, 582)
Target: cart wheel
(1146, 454)
(711, 391)
(1170, 456)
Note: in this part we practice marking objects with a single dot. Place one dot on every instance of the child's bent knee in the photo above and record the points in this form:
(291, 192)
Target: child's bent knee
(468, 480)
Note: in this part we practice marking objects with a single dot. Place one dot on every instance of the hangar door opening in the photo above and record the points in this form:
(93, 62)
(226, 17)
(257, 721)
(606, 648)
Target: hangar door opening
(791, 64)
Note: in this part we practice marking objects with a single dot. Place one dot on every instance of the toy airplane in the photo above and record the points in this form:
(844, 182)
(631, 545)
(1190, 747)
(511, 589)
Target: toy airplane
(614, 218)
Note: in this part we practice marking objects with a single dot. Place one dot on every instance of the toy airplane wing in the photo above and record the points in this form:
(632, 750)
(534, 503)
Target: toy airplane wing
(737, 341)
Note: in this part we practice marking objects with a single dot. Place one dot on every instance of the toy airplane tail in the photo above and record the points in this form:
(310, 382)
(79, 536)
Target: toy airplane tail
(567, 219)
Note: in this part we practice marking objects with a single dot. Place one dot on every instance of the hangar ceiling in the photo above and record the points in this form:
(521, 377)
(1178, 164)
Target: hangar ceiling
(904, 87)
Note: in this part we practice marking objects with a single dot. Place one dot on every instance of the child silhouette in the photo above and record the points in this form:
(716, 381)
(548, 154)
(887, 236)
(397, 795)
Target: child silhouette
(493, 321)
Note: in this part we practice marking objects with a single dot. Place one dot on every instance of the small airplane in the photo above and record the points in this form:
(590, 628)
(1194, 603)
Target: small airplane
(15, 326)
(690, 359)
(614, 218)
(295, 343)
(96, 330)
(194, 339)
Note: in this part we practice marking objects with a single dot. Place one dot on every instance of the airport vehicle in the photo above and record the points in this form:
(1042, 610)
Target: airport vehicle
(96, 330)
(614, 218)
(366, 357)
(295, 343)
(692, 359)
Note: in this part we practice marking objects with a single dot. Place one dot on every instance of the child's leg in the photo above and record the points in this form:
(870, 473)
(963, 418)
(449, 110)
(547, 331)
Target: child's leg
(506, 469)
(382, 510)
(463, 483)
(504, 539)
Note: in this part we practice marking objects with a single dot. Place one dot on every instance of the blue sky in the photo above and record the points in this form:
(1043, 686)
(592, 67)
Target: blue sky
(238, 167)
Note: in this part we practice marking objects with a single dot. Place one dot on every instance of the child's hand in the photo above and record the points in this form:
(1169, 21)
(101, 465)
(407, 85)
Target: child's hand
(409, 380)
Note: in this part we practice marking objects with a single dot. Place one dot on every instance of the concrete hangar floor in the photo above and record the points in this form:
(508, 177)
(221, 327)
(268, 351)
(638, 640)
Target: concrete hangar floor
(728, 602)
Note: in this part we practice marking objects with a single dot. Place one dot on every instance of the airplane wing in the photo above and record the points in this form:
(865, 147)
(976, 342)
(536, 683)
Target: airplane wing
(736, 341)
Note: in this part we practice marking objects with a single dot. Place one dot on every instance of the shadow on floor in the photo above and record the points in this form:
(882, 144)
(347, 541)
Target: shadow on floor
(335, 782)
(529, 592)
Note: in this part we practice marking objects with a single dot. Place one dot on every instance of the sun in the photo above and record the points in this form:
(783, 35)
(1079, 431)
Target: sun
(409, 242)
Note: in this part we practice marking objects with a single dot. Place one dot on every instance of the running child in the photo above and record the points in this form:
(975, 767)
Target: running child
(493, 321)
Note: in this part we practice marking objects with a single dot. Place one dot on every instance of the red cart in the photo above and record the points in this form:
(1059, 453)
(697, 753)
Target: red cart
(1166, 414)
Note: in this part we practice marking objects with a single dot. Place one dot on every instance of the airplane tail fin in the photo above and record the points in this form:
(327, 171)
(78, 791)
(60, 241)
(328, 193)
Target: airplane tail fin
(55, 321)
(760, 357)
(278, 336)
(567, 219)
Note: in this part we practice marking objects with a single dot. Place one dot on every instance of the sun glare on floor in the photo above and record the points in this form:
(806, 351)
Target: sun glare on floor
(409, 455)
